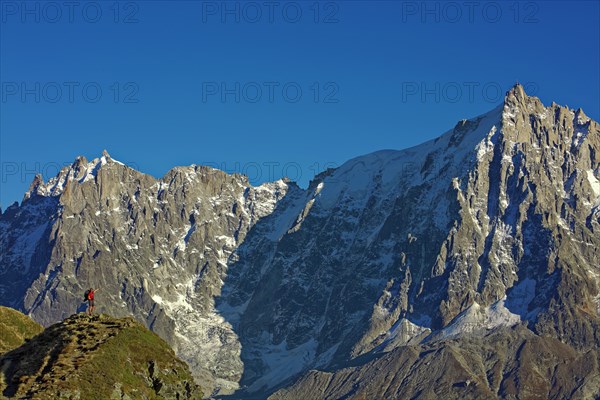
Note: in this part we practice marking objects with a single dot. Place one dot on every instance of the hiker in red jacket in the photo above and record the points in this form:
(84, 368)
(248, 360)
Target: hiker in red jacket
(90, 299)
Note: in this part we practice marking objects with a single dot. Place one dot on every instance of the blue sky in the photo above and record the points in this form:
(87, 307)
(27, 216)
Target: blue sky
(271, 88)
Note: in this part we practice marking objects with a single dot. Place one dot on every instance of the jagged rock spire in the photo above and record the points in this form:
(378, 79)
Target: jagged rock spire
(580, 116)
(516, 95)
(35, 184)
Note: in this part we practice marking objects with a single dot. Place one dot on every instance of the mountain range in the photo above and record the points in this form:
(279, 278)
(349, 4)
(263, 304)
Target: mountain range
(464, 267)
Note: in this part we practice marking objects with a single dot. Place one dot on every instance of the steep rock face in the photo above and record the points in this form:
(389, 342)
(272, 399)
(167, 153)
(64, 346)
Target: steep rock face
(25, 246)
(157, 248)
(493, 223)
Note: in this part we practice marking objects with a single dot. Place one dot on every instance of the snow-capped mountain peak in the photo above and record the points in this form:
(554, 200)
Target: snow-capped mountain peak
(79, 171)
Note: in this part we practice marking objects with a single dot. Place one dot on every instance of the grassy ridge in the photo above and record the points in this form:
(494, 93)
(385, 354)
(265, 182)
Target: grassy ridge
(15, 329)
(96, 357)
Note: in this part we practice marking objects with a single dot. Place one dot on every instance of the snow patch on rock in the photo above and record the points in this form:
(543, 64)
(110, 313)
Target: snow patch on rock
(594, 183)
(477, 318)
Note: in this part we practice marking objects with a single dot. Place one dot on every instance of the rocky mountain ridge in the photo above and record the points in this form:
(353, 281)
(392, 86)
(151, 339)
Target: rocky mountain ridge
(492, 225)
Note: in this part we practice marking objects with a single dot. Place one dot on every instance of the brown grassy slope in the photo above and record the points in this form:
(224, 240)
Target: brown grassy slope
(15, 329)
(96, 357)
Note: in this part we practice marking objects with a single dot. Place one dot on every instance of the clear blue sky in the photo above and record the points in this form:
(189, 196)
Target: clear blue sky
(372, 75)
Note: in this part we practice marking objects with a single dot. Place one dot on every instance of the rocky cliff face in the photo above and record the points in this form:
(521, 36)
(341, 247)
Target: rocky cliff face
(157, 248)
(493, 224)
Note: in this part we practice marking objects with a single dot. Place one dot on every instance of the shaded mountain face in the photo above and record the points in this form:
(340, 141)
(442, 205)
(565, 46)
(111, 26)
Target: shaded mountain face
(493, 224)
(96, 357)
(507, 363)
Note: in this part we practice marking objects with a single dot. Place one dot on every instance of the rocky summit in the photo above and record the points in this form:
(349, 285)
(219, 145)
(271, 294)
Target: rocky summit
(465, 266)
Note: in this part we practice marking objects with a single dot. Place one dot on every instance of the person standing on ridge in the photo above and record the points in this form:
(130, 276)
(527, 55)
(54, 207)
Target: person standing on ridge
(89, 295)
